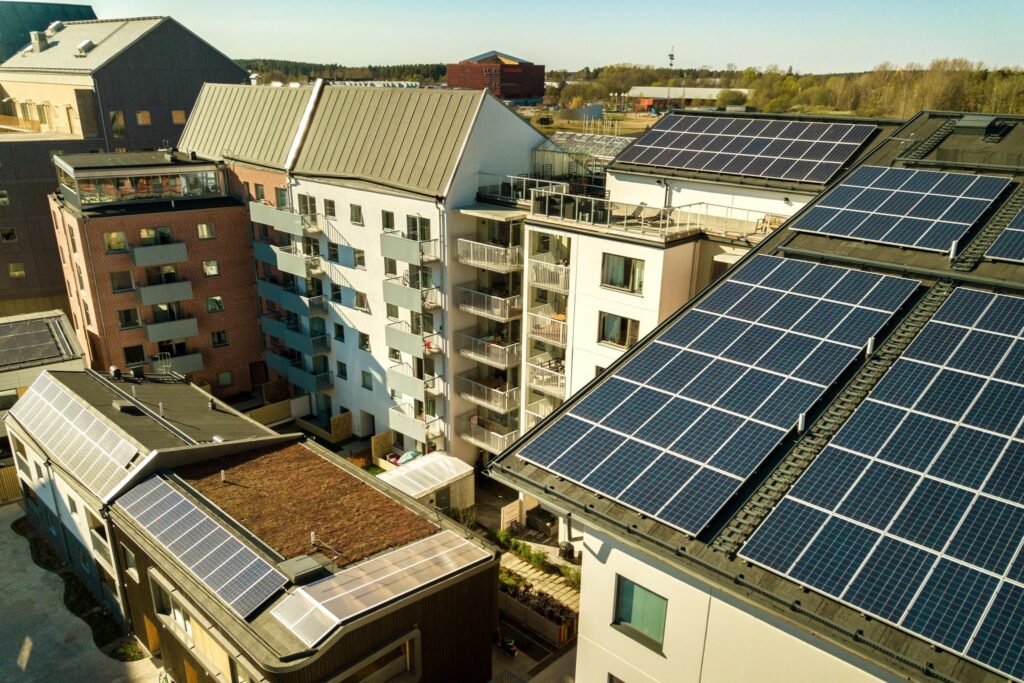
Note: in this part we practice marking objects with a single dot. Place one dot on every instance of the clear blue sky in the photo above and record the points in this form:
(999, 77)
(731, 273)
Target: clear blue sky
(821, 36)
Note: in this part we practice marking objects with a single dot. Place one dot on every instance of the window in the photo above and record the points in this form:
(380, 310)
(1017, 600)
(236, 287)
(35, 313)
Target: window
(39, 472)
(131, 568)
(360, 258)
(364, 341)
(114, 242)
(128, 318)
(152, 236)
(342, 370)
(85, 312)
(211, 268)
(329, 210)
(224, 379)
(394, 354)
(417, 228)
(390, 266)
(387, 220)
(622, 272)
(339, 332)
(161, 599)
(367, 380)
(246, 190)
(120, 150)
(392, 311)
(134, 355)
(355, 214)
(5, 199)
(335, 292)
(117, 128)
(81, 280)
(280, 196)
(214, 304)
(332, 252)
(259, 192)
(616, 330)
(8, 234)
(178, 117)
(72, 505)
(15, 271)
(207, 231)
(121, 281)
(143, 118)
(361, 302)
(640, 611)
(219, 338)
(307, 204)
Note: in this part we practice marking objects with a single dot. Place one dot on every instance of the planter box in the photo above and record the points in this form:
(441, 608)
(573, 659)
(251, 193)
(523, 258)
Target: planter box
(552, 633)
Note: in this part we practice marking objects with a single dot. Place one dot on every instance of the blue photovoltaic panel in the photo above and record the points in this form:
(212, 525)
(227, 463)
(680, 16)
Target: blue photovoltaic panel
(1009, 246)
(236, 574)
(925, 210)
(803, 151)
(678, 429)
(930, 470)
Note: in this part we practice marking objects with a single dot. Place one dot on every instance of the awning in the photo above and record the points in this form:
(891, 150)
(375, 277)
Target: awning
(493, 212)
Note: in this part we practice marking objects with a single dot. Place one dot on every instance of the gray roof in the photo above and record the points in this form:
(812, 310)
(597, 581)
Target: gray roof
(249, 123)
(110, 38)
(397, 137)
(660, 92)
(17, 19)
(494, 54)
(36, 339)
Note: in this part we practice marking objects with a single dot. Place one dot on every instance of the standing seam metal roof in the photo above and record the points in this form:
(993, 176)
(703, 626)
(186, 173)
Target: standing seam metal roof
(245, 122)
(110, 37)
(410, 139)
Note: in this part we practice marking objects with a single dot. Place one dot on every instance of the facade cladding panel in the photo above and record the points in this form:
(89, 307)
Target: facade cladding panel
(507, 81)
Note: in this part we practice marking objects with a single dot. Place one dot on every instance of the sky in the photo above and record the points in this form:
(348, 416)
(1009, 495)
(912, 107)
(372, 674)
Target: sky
(813, 37)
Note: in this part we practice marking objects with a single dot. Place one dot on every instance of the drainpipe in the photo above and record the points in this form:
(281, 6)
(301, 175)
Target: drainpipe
(56, 510)
(115, 558)
(442, 243)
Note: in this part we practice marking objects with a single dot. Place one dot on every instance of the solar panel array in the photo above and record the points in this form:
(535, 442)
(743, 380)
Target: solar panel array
(1009, 246)
(801, 151)
(80, 441)
(915, 511)
(313, 611)
(679, 428)
(925, 210)
(237, 575)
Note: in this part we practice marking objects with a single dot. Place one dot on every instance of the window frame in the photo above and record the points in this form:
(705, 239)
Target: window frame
(216, 268)
(107, 241)
(217, 309)
(131, 281)
(366, 380)
(355, 214)
(210, 231)
(120, 321)
(11, 230)
(219, 344)
(16, 273)
(635, 337)
(627, 628)
(629, 268)
(178, 117)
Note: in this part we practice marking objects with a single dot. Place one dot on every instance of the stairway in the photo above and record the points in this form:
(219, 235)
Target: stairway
(925, 147)
(970, 257)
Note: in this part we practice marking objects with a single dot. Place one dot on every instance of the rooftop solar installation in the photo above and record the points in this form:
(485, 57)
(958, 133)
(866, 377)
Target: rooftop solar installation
(80, 441)
(313, 611)
(676, 430)
(801, 151)
(914, 512)
(925, 210)
(32, 342)
(1009, 246)
(236, 574)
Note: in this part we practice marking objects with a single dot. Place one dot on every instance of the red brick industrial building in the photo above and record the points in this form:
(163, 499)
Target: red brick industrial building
(505, 76)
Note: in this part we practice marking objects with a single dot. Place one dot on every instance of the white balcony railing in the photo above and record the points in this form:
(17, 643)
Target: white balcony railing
(547, 380)
(548, 325)
(486, 391)
(487, 434)
(487, 349)
(490, 256)
(547, 274)
(493, 306)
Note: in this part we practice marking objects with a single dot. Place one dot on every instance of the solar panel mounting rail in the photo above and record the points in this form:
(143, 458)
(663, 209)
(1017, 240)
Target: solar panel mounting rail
(978, 249)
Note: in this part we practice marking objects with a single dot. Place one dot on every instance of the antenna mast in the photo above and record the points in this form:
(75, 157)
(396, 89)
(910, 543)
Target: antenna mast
(671, 64)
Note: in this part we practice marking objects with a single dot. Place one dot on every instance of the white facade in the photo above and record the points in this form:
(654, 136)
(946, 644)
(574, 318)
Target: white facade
(710, 635)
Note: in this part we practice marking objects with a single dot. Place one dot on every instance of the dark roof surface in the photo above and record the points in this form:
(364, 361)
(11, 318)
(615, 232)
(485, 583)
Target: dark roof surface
(29, 341)
(85, 162)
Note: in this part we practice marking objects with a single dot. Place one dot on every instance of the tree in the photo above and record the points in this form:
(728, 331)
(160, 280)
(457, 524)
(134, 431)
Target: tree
(727, 98)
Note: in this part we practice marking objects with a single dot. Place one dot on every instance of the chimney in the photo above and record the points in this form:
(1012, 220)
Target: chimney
(38, 39)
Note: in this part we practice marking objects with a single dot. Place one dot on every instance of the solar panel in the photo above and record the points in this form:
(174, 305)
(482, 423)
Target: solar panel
(802, 151)
(241, 578)
(77, 439)
(678, 428)
(925, 210)
(314, 610)
(1009, 246)
(914, 512)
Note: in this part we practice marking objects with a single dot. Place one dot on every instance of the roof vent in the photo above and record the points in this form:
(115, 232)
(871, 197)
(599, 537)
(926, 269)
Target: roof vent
(217, 438)
(125, 406)
(38, 41)
(302, 569)
(55, 27)
(85, 47)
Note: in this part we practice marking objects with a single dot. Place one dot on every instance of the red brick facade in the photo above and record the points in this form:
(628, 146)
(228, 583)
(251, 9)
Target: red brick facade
(507, 81)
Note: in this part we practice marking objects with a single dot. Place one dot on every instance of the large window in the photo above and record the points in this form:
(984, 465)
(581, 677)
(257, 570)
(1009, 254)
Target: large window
(117, 128)
(355, 214)
(640, 611)
(617, 330)
(114, 242)
(622, 272)
(121, 281)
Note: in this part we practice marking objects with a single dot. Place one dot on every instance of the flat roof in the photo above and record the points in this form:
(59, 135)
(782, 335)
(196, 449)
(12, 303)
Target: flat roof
(283, 493)
(104, 161)
(426, 474)
(37, 339)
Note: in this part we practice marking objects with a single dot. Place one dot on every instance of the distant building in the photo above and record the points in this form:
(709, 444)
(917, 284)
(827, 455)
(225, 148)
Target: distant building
(504, 76)
(85, 86)
(379, 84)
(18, 19)
(647, 97)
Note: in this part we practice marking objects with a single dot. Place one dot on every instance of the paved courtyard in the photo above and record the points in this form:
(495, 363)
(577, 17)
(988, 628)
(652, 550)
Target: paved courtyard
(40, 640)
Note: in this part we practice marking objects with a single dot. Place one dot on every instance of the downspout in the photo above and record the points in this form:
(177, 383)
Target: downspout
(56, 510)
(442, 241)
(118, 569)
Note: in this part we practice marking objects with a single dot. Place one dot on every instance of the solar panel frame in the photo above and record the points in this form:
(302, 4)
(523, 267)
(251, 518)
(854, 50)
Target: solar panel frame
(1009, 245)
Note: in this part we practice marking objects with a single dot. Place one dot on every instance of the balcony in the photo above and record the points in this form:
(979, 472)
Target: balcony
(290, 332)
(182, 364)
(402, 378)
(401, 335)
(489, 256)
(159, 254)
(547, 377)
(535, 411)
(395, 245)
(485, 304)
(419, 427)
(489, 435)
(291, 259)
(489, 392)
(290, 300)
(548, 325)
(171, 329)
(547, 274)
(293, 367)
(281, 219)
(26, 125)
(411, 294)
(165, 293)
(487, 349)
(518, 188)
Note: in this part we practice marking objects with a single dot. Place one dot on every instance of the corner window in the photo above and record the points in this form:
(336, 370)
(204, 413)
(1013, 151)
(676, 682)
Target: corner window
(214, 304)
(367, 380)
(8, 234)
(128, 318)
(211, 268)
(641, 612)
(143, 118)
(622, 272)
(15, 271)
(225, 379)
(342, 370)
(617, 330)
(219, 338)
(114, 242)
(206, 231)
(121, 281)
(117, 128)
(178, 117)
(355, 214)
(134, 355)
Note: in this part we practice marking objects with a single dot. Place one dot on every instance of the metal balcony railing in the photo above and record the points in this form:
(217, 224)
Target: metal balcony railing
(490, 256)
(536, 411)
(518, 187)
(494, 306)
(487, 349)
(548, 380)
(547, 274)
(546, 324)
(485, 391)
(487, 434)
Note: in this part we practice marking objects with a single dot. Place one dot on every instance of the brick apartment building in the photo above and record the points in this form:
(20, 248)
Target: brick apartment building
(157, 261)
(504, 76)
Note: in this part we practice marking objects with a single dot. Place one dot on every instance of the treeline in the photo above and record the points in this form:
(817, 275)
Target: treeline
(270, 70)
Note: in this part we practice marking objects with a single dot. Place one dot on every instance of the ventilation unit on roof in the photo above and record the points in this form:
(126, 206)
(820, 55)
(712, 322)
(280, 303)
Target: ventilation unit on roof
(125, 406)
(38, 41)
(303, 569)
(85, 47)
(55, 27)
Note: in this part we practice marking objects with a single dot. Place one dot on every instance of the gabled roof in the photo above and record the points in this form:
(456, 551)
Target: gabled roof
(17, 19)
(110, 37)
(397, 137)
(495, 56)
(251, 123)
